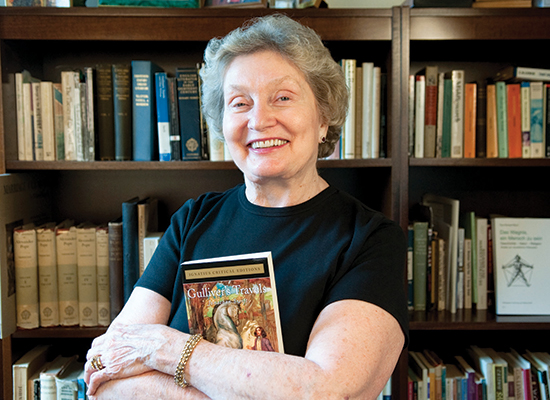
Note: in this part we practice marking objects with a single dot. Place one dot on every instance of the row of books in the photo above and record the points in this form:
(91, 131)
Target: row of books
(364, 132)
(502, 117)
(69, 274)
(479, 374)
(133, 111)
(460, 260)
(40, 374)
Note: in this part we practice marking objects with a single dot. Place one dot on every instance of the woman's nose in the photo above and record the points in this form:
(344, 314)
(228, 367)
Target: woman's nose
(261, 117)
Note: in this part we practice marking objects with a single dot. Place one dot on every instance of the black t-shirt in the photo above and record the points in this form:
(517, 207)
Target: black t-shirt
(329, 248)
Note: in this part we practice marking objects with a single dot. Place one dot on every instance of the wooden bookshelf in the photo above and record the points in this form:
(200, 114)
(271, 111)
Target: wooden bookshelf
(400, 40)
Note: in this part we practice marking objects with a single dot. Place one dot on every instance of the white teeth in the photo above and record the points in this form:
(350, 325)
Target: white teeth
(268, 143)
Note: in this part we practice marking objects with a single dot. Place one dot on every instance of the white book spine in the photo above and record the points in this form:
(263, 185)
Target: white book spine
(89, 146)
(419, 111)
(525, 93)
(47, 277)
(412, 104)
(20, 116)
(48, 129)
(537, 118)
(103, 298)
(376, 98)
(67, 83)
(26, 278)
(349, 125)
(457, 121)
(366, 144)
(79, 116)
(27, 115)
(467, 274)
(86, 252)
(37, 121)
(67, 277)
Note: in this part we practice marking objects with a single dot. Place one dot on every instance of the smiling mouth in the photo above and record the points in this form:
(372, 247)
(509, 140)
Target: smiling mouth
(264, 144)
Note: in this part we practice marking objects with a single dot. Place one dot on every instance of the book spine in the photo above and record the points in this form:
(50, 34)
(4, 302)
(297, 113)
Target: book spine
(188, 102)
(80, 116)
(20, 116)
(457, 121)
(116, 293)
(37, 121)
(410, 266)
(86, 251)
(26, 278)
(492, 130)
(537, 119)
(47, 277)
(367, 108)
(430, 121)
(514, 120)
(174, 118)
(376, 112)
(89, 144)
(130, 247)
(470, 120)
(48, 126)
(103, 287)
(163, 116)
(547, 120)
(532, 74)
(67, 276)
(150, 244)
(525, 119)
(67, 82)
(59, 133)
(447, 118)
(122, 111)
(349, 66)
(481, 120)
(27, 116)
(502, 118)
(144, 111)
(420, 264)
(105, 109)
(419, 113)
(412, 103)
(480, 293)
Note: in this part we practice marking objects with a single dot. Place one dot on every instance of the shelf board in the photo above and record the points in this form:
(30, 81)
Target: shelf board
(59, 332)
(165, 166)
(479, 162)
(474, 320)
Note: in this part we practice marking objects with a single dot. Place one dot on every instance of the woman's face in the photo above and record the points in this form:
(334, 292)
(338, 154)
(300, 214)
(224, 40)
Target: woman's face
(271, 122)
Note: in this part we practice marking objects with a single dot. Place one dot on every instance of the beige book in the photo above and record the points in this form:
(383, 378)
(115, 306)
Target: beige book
(67, 276)
(26, 276)
(67, 84)
(20, 116)
(47, 275)
(48, 387)
(24, 368)
(86, 252)
(147, 222)
(103, 281)
(48, 127)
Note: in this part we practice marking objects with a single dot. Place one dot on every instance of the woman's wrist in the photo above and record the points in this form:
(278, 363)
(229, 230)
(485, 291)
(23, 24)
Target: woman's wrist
(190, 344)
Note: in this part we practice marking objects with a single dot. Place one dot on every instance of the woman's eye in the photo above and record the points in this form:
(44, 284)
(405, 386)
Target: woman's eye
(284, 98)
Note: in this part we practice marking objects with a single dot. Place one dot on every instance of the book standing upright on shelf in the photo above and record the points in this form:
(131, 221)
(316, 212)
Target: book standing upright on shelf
(188, 103)
(47, 275)
(67, 273)
(105, 109)
(229, 298)
(116, 290)
(122, 111)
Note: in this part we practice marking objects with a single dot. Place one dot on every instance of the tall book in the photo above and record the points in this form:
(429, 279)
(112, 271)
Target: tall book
(430, 108)
(349, 66)
(26, 276)
(514, 120)
(47, 275)
(105, 110)
(470, 119)
(520, 247)
(86, 253)
(116, 290)
(457, 115)
(447, 117)
(67, 273)
(410, 267)
(174, 119)
(25, 367)
(19, 110)
(492, 130)
(502, 118)
(147, 219)
(36, 106)
(48, 125)
(163, 115)
(188, 103)
(130, 257)
(377, 109)
(58, 121)
(537, 118)
(223, 287)
(69, 116)
(144, 110)
(122, 111)
(480, 272)
(481, 120)
(411, 120)
(79, 114)
(103, 275)
(439, 121)
(419, 115)
(525, 94)
(28, 131)
(420, 260)
(88, 114)
(24, 198)
(367, 69)
(547, 120)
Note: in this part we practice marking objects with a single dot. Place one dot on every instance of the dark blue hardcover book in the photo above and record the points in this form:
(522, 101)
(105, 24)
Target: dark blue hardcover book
(122, 109)
(163, 116)
(130, 246)
(144, 112)
(175, 135)
(189, 110)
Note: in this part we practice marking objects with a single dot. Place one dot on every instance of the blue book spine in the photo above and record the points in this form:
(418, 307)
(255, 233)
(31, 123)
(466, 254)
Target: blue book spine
(188, 102)
(163, 116)
(145, 146)
(130, 246)
(537, 118)
(502, 119)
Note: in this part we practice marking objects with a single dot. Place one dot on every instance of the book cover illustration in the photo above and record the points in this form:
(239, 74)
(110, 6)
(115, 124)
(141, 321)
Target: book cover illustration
(521, 252)
(232, 301)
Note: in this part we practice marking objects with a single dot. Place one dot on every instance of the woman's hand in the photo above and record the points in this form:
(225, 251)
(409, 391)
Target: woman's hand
(129, 350)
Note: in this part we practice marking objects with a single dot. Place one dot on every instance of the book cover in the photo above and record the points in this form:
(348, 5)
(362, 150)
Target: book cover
(420, 260)
(481, 120)
(525, 98)
(521, 251)
(537, 119)
(419, 115)
(232, 301)
(70, 381)
(480, 272)
(86, 253)
(188, 103)
(150, 243)
(105, 109)
(28, 132)
(430, 119)
(122, 111)
(59, 130)
(470, 119)
(103, 275)
(492, 131)
(523, 73)
(67, 273)
(130, 247)
(367, 69)
(147, 217)
(411, 110)
(116, 291)
(47, 275)
(69, 117)
(19, 110)
(410, 267)
(163, 115)
(447, 118)
(348, 132)
(502, 118)
(440, 110)
(88, 114)
(377, 109)
(48, 389)
(24, 198)
(79, 114)
(144, 110)
(547, 120)
(514, 120)
(174, 118)
(48, 126)
(457, 114)
(36, 109)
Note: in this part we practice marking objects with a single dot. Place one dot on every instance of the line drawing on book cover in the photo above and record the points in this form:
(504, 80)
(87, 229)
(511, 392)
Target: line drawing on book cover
(518, 272)
(229, 312)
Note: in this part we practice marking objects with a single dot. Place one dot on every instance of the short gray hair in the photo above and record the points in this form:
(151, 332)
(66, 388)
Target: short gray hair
(297, 43)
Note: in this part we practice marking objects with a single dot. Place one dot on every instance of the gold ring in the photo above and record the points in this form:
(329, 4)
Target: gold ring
(96, 363)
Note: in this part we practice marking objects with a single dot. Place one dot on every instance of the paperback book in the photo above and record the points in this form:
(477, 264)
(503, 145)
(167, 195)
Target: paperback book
(232, 301)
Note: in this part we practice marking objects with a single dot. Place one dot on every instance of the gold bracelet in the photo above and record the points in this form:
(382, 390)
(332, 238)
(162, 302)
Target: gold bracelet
(190, 345)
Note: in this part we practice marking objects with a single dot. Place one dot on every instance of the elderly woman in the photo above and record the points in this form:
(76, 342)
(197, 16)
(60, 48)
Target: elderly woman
(278, 99)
